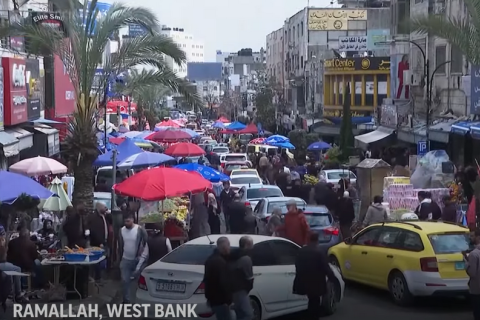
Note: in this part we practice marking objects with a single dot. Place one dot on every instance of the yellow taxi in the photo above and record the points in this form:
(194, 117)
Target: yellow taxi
(409, 259)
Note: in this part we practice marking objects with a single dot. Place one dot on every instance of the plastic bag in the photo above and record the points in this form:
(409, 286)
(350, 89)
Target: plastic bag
(428, 173)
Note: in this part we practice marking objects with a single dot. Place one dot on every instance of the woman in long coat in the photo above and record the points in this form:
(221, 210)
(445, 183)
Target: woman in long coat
(199, 223)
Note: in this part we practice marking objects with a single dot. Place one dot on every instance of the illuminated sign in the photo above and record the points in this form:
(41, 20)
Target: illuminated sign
(358, 64)
(333, 19)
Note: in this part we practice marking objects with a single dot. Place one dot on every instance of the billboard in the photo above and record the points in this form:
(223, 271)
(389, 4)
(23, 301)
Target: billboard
(15, 91)
(34, 89)
(136, 30)
(204, 71)
(63, 87)
(357, 64)
(333, 19)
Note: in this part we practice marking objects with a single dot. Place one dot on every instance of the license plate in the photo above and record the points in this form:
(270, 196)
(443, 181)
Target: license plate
(171, 286)
(324, 238)
(459, 265)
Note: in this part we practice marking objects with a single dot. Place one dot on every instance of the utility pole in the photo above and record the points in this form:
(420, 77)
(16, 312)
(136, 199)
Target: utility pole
(113, 205)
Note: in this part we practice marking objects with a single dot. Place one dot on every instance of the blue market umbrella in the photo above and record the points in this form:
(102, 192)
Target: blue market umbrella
(125, 149)
(12, 185)
(191, 132)
(319, 145)
(218, 125)
(285, 145)
(144, 159)
(276, 138)
(236, 126)
(144, 134)
(208, 173)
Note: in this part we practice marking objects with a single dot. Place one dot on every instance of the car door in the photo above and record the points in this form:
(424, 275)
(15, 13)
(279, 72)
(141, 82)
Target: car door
(356, 265)
(269, 278)
(286, 253)
(381, 256)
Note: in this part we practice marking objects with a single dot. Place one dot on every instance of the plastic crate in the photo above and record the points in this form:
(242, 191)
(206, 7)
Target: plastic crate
(75, 256)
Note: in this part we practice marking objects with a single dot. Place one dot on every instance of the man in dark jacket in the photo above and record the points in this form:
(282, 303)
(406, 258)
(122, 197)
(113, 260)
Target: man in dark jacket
(346, 215)
(226, 198)
(312, 269)
(424, 209)
(242, 279)
(436, 211)
(98, 226)
(237, 212)
(450, 210)
(217, 280)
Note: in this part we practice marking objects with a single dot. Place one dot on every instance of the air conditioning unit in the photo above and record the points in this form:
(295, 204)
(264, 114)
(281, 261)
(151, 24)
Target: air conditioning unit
(411, 79)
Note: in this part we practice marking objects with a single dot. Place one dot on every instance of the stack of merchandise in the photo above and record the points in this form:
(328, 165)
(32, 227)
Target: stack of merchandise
(402, 197)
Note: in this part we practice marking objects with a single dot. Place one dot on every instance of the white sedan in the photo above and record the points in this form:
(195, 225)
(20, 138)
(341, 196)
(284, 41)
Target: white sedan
(177, 278)
(245, 180)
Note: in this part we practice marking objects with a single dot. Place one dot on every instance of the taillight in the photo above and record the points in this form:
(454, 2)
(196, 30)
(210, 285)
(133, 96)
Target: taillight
(142, 283)
(248, 204)
(429, 264)
(331, 231)
(200, 289)
(222, 165)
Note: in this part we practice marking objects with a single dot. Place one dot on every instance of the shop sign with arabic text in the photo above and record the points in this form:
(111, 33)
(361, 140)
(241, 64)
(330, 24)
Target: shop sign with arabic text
(333, 19)
(358, 64)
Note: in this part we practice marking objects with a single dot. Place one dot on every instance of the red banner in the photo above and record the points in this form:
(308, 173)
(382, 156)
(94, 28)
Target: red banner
(15, 91)
(64, 93)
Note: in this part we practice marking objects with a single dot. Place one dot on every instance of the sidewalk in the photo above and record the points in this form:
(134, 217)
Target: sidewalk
(109, 292)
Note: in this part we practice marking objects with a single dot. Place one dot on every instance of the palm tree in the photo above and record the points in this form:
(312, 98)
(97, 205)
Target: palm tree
(464, 33)
(82, 52)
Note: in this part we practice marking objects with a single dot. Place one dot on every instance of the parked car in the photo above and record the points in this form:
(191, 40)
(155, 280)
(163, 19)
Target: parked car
(334, 175)
(177, 278)
(220, 150)
(228, 167)
(247, 181)
(241, 172)
(251, 196)
(410, 259)
(321, 220)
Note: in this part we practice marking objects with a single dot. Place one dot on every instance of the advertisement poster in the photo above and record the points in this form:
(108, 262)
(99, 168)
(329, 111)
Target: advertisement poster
(15, 91)
(352, 43)
(34, 89)
(395, 60)
(475, 90)
(1, 98)
(64, 92)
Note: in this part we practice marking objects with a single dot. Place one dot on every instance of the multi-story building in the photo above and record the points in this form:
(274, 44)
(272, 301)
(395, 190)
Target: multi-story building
(193, 48)
(314, 35)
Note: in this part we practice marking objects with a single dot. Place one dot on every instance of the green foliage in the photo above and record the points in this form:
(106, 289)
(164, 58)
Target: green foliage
(265, 109)
(333, 156)
(346, 130)
(25, 202)
(311, 138)
(298, 138)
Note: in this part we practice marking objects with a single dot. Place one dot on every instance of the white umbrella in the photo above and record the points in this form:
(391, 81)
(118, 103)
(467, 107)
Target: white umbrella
(59, 203)
(38, 166)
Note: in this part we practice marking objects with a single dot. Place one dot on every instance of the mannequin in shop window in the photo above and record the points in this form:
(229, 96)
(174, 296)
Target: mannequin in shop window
(403, 66)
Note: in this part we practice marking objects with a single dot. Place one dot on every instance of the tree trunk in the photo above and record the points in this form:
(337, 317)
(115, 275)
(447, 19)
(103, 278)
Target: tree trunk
(83, 189)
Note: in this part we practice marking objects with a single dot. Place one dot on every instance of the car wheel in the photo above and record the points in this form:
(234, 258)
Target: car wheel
(257, 311)
(398, 288)
(330, 300)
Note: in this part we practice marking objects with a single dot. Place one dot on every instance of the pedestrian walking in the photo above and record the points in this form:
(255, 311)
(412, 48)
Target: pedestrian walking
(472, 264)
(132, 240)
(242, 279)
(346, 215)
(218, 291)
(199, 223)
(98, 231)
(295, 228)
(213, 214)
(157, 247)
(449, 212)
(226, 198)
(237, 212)
(375, 213)
(311, 271)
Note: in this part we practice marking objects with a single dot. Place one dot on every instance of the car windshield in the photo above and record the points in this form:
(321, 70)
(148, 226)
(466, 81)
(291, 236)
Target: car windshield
(450, 242)
(195, 160)
(245, 180)
(220, 150)
(230, 167)
(264, 193)
(338, 175)
(283, 205)
(318, 219)
(247, 136)
(243, 172)
(189, 254)
(235, 158)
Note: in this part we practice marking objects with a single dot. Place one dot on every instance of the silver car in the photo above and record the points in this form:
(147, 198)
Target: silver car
(264, 208)
(251, 196)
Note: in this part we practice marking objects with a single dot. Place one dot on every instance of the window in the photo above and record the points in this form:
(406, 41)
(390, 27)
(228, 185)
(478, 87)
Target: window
(440, 57)
(449, 243)
(235, 158)
(283, 205)
(412, 241)
(193, 47)
(184, 45)
(319, 220)
(340, 174)
(285, 252)
(201, 47)
(214, 87)
(294, 34)
(245, 180)
(262, 255)
(189, 254)
(259, 206)
(201, 54)
(205, 88)
(368, 237)
(389, 237)
(264, 193)
(301, 27)
(456, 56)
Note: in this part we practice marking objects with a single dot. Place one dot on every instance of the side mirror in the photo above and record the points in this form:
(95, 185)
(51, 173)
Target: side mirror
(348, 240)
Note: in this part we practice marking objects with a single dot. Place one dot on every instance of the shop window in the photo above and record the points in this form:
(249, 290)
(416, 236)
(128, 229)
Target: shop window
(456, 56)
(301, 27)
(358, 91)
(369, 89)
(340, 89)
(440, 57)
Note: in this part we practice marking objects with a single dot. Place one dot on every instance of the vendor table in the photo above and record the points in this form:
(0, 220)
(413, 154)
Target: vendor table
(58, 263)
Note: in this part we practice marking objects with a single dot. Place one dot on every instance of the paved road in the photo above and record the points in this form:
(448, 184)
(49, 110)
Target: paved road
(375, 304)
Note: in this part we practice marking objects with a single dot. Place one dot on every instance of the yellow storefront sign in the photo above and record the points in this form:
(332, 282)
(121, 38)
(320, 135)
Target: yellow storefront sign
(333, 19)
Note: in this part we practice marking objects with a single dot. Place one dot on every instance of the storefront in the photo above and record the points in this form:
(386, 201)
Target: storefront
(366, 79)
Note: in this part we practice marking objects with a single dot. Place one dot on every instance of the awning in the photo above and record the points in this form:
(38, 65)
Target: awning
(46, 130)
(377, 135)
(440, 131)
(464, 127)
(9, 144)
(25, 138)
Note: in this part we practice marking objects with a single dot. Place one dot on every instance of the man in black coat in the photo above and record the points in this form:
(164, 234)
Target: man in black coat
(312, 269)
(217, 280)
(237, 212)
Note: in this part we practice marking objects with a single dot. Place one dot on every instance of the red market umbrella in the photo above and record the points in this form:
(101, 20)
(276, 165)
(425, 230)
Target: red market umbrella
(168, 123)
(184, 149)
(159, 183)
(169, 135)
(251, 128)
(257, 141)
(223, 120)
(116, 140)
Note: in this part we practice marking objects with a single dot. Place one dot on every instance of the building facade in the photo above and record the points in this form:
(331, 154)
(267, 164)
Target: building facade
(194, 49)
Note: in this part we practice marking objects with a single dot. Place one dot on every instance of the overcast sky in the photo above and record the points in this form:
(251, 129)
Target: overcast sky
(227, 25)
